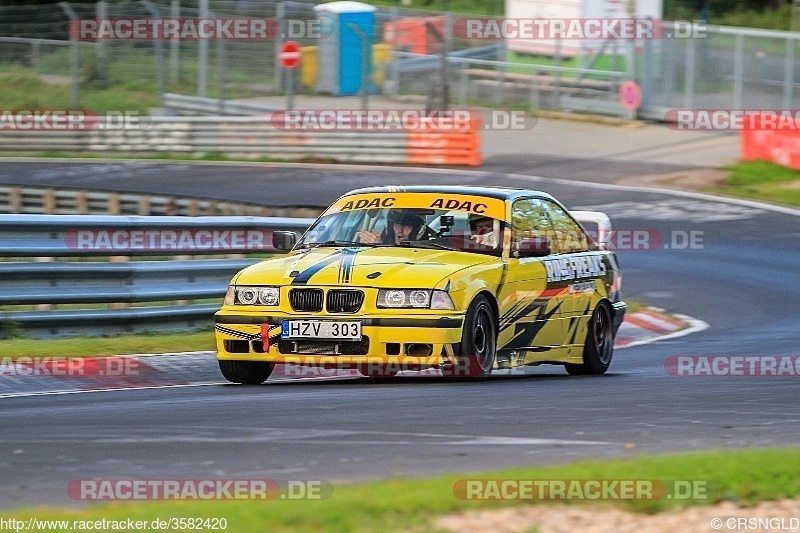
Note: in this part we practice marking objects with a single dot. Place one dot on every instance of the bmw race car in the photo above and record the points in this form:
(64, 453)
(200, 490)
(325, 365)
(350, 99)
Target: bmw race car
(464, 279)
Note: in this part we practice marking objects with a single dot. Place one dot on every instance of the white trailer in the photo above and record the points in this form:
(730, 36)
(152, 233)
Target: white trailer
(574, 10)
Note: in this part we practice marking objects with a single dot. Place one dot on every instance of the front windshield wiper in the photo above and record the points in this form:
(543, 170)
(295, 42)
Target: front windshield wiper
(339, 243)
(426, 244)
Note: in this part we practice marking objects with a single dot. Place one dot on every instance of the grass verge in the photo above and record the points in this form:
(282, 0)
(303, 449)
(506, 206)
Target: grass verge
(26, 91)
(746, 477)
(761, 180)
(189, 341)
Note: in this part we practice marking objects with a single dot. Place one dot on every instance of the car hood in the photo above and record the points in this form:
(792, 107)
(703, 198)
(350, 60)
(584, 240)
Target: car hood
(373, 267)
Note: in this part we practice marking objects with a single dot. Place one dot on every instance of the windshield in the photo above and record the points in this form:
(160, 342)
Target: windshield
(422, 228)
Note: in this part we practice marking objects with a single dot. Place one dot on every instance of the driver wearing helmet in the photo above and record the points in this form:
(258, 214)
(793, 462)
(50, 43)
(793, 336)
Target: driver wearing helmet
(401, 225)
(482, 230)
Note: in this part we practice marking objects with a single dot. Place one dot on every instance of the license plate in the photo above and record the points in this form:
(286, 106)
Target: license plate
(321, 329)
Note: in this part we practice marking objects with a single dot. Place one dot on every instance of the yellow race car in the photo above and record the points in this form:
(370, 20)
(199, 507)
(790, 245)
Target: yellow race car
(464, 279)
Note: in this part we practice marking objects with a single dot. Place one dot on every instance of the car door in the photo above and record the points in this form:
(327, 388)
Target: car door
(530, 307)
(574, 269)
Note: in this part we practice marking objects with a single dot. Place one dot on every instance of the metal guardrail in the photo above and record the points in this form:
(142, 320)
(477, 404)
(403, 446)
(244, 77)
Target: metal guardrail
(17, 199)
(140, 281)
(409, 62)
(198, 105)
(87, 235)
(172, 290)
(251, 137)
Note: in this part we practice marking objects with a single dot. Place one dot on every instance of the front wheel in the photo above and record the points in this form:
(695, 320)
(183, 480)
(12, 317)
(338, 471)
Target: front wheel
(478, 348)
(599, 346)
(246, 372)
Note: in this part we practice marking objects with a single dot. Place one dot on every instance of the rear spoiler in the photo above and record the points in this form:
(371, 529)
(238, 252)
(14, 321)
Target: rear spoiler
(603, 225)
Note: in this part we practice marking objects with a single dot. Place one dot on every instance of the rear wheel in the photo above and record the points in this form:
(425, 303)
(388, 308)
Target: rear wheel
(599, 346)
(246, 372)
(478, 348)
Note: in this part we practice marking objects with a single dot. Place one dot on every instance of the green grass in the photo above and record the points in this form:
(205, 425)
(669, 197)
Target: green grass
(771, 19)
(188, 341)
(745, 477)
(606, 62)
(129, 82)
(762, 180)
(635, 307)
(24, 91)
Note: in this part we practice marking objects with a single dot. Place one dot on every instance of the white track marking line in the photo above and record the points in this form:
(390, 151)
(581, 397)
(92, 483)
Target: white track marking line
(62, 392)
(695, 325)
(657, 321)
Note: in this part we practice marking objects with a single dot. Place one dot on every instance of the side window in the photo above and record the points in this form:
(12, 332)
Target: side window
(568, 236)
(529, 220)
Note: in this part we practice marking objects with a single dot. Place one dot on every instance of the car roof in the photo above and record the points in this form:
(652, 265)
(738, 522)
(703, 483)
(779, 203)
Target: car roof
(503, 193)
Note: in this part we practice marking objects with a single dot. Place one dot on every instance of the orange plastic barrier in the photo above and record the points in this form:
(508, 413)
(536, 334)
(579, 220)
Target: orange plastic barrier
(439, 144)
(411, 35)
(781, 147)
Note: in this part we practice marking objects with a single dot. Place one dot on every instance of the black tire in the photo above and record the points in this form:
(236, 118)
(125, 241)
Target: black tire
(478, 349)
(599, 347)
(246, 372)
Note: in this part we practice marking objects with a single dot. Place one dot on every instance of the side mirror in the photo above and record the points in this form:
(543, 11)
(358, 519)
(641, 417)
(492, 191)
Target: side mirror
(532, 247)
(283, 241)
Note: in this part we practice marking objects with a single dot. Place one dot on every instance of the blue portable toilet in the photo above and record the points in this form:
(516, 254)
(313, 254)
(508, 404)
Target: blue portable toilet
(340, 49)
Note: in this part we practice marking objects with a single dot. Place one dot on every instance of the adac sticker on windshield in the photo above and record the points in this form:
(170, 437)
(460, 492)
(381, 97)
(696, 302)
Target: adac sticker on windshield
(478, 205)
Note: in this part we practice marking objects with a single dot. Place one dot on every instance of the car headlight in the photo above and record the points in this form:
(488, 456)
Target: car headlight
(414, 298)
(256, 295)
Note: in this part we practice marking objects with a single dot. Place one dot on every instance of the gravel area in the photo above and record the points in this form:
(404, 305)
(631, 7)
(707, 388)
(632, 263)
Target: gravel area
(781, 515)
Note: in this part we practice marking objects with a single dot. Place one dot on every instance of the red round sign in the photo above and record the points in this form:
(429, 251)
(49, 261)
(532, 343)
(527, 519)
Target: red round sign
(630, 95)
(289, 54)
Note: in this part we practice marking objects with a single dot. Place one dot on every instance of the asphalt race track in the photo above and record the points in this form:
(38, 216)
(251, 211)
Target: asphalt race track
(741, 277)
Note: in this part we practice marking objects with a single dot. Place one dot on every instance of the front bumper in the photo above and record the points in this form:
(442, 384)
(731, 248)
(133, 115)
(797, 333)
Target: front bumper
(411, 340)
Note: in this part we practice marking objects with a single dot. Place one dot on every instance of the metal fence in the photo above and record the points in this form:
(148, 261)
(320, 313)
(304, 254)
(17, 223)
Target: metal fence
(728, 68)
(82, 279)
(503, 83)
(721, 67)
